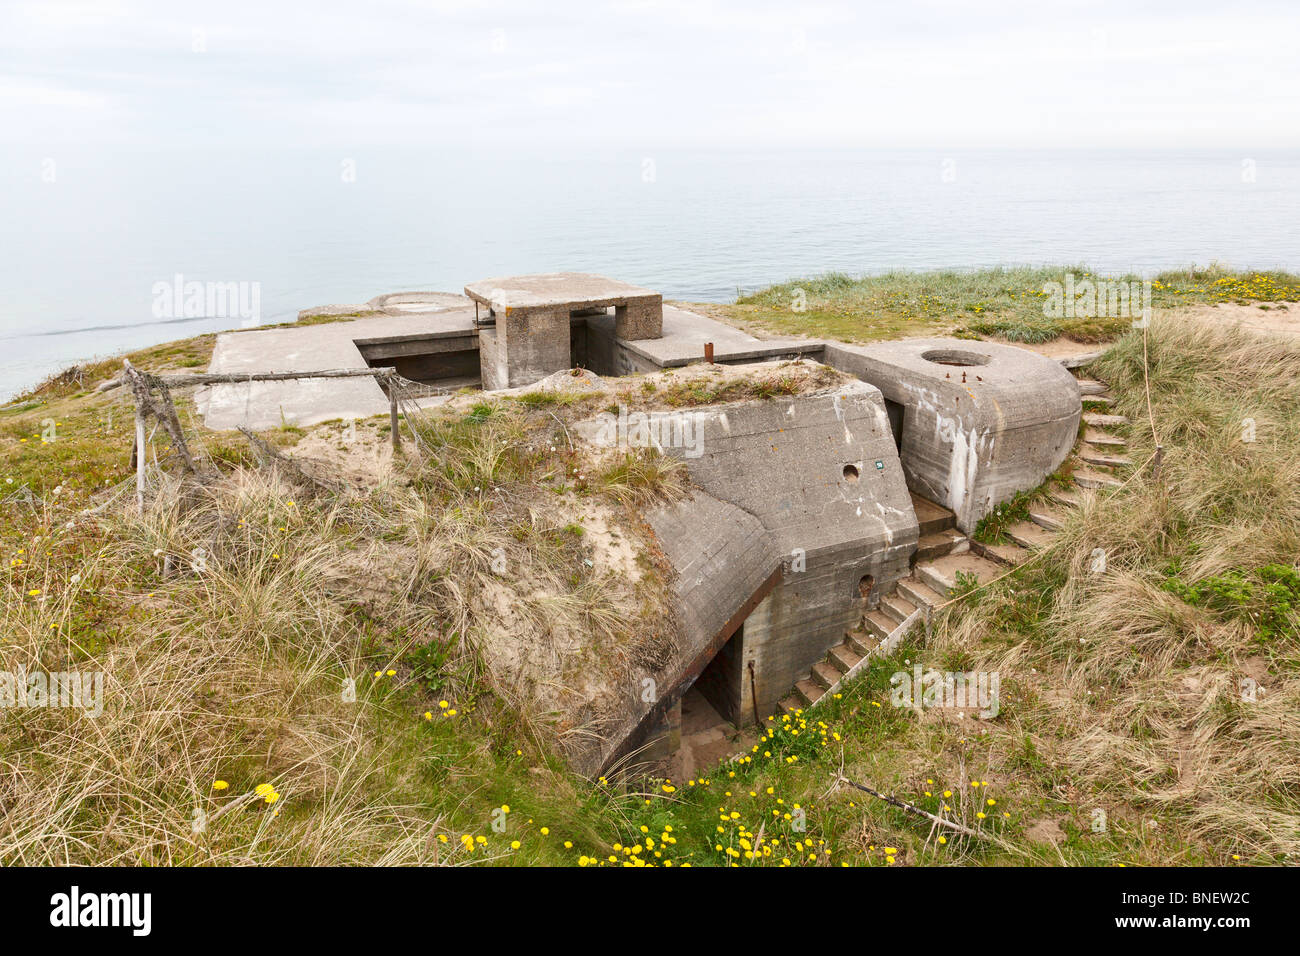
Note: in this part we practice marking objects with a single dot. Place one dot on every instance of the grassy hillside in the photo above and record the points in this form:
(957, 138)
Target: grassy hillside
(1121, 692)
(1007, 303)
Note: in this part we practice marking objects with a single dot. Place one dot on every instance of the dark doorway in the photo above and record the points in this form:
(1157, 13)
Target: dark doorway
(721, 682)
(895, 412)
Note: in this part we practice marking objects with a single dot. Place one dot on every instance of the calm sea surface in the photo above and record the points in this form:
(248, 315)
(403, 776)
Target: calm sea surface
(86, 235)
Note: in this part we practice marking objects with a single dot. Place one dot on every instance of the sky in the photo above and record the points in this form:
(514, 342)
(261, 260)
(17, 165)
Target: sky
(551, 74)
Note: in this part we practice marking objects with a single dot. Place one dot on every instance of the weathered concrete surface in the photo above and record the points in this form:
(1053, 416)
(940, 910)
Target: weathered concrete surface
(530, 338)
(556, 290)
(820, 474)
(524, 347)
(682, 343)
(722, 555)
(418, 325)
(393, 303)
(972, 434)
(329, 345)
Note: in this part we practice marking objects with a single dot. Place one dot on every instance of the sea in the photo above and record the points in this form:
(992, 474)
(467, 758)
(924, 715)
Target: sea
(96, 242)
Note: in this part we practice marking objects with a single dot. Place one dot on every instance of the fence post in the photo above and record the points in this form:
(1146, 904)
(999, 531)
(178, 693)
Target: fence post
(392, 414)
(139, 459)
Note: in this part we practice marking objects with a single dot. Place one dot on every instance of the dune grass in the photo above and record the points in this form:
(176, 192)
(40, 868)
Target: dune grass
(1004, 302)
(332, 649)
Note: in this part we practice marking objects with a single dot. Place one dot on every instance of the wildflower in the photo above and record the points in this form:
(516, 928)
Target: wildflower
(220, 785)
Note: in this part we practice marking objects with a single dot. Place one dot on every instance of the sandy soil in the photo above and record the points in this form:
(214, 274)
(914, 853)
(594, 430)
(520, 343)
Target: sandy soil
(1278, 318)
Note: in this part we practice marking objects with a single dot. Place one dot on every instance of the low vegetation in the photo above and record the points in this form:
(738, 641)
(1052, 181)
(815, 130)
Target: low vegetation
(1007, 303)
(298, 676)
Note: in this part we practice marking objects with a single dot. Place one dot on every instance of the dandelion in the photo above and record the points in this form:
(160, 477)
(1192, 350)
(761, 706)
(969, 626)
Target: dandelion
(220, 785)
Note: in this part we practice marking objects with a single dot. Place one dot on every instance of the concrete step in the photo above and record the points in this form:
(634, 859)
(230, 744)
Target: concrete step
(879, 624)
(791, 705)
(826, 675)
(948, 541)
(919, 593)
(897, 607)
(1029, 535)
(1102, 439)
(932, 517)
(1088, 386)
(843, 657)
(941, 575)
(1095, 457)
(861, 642)
(1080, 360)
(1104, 421)
(1046, 517)
(1007, 555)
(1089, 478)
(809, 691)
(1064, 496)
(1096, 401)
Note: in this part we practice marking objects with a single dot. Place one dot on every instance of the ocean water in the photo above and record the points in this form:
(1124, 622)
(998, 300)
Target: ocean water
(88, 238)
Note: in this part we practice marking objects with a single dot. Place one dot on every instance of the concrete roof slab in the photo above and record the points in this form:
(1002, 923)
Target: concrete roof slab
(574, 290)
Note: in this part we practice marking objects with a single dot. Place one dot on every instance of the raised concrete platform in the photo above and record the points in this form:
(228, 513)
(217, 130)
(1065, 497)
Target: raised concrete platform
(397, 327)
(530, 318)
(976, 422)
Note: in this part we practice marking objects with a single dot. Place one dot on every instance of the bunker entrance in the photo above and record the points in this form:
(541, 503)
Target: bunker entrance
(720, 684)
(712, 709)
(447, 362)
(895, 412)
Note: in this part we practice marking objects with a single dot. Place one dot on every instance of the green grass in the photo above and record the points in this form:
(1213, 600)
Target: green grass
(1120, 691)
(1004, 302)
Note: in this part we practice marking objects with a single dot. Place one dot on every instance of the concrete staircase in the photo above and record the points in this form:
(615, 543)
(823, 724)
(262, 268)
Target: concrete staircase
(1099, 464)
(945, 557)
(880, 630)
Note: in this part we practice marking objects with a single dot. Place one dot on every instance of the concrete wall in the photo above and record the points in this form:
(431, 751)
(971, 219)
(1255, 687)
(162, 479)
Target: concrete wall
(524, 347)
(723, 557)
(606, 355)
(783, 462)
(973, 434)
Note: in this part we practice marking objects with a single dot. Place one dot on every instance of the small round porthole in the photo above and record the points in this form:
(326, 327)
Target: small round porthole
(851, 474)
(958, 357)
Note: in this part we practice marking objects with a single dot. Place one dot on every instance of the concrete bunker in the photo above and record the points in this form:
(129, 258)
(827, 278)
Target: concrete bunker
(774, 548)
(973, 422)
(806, 510)
(525, 332)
